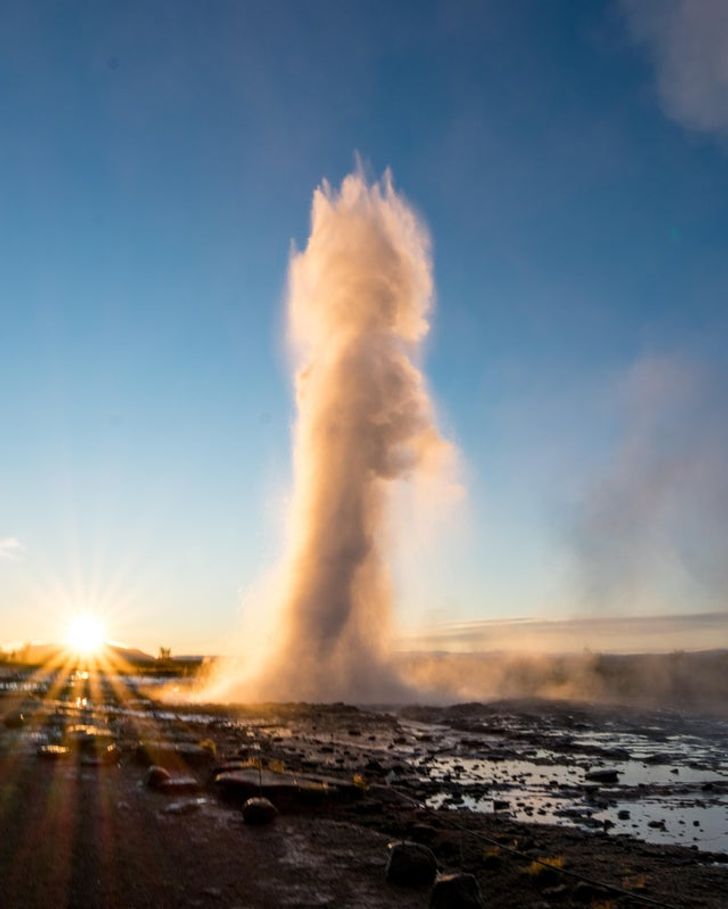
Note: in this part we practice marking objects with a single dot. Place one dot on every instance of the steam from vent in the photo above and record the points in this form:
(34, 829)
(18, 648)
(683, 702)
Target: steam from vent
(359, 298)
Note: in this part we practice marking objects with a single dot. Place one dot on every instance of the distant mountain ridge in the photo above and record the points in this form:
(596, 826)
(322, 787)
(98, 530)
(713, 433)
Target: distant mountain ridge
(47, 653)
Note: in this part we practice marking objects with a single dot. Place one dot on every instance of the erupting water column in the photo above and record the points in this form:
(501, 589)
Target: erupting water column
(359, 297)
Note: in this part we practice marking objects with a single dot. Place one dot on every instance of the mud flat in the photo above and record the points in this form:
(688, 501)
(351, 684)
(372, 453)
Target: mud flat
(110, 798)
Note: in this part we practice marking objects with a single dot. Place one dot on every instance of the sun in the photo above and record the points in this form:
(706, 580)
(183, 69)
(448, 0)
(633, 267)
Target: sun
(86, 634)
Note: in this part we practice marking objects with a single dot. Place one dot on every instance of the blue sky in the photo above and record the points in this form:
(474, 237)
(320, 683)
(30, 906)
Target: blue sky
(157, 159)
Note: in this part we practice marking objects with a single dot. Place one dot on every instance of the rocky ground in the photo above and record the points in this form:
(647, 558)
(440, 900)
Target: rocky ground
(110, 799)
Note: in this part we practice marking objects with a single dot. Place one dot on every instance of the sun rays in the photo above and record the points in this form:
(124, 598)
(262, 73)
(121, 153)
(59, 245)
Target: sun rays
(86, 634)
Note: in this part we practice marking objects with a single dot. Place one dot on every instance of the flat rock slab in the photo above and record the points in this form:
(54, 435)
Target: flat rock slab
(288, 792)
(173, 756)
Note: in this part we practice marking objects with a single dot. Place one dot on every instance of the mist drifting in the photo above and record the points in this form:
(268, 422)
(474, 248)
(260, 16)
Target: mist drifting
(359, 298)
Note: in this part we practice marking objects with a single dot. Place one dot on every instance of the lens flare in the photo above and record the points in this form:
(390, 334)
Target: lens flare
(86, 634)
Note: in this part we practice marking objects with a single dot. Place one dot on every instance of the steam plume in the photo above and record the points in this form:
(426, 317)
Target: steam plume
(358, 303)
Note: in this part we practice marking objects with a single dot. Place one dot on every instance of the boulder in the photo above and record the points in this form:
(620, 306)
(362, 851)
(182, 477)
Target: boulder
(456, 891)
(259, 811)
(156, 776)
(411, 864)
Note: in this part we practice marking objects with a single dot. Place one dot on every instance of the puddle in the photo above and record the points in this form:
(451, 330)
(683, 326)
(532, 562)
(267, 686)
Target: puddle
(671, 787)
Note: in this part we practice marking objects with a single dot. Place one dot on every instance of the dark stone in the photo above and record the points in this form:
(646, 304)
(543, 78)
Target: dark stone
(456, 891)
(156, 776)
(411, 864)
(179, 785)
(259, 811)
(14, 720)
(603, 776)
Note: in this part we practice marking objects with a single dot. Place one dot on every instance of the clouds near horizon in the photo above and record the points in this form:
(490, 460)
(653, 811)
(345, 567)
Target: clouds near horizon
(11, 549)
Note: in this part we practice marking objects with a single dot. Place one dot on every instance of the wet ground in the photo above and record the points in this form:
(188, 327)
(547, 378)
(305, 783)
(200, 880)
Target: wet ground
(635, 799)
(668, 780)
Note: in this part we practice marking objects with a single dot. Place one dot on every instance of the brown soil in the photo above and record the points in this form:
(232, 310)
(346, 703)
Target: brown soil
(96, 836)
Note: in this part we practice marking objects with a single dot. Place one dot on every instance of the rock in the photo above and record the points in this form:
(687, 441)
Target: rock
(602, 776)
(259, 811)
(156, 776)
(456, 891)
(177, 785)
(14, 720)
(624, 814)
(411, 864)
(52, 752)
(288, 792)
(174, 756)
(184, 806)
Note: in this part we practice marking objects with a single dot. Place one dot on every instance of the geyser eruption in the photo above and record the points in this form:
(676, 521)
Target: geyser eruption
(358, 303)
